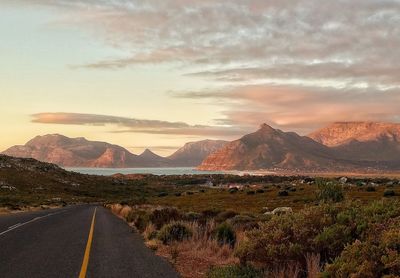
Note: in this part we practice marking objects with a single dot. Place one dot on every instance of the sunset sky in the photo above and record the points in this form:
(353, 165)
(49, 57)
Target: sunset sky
(159, 73)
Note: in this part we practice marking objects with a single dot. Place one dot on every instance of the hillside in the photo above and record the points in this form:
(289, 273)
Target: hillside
(271, 148)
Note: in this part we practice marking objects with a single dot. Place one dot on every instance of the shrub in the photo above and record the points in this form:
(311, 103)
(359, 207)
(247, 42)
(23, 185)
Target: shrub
(192, 216)
(250, 192)
(150, 232)
(370, 189)
(159, 217)
(235, 271)
(175, 231)
(202, 190)
(329, 191)
(283, 193)
(162, 194)
(225, 215)
(210, 213)
(225, 234)
(178, 194)
(243, 222)
(283, 238)
(140, 219)
(260, 191)
(189, 193)
(389, 193)
(233, 190)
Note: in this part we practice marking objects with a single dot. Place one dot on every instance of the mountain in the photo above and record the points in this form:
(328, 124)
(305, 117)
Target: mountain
(193, 153)
(74, 152)
(362, 141)
(79, 152)
(271, 148)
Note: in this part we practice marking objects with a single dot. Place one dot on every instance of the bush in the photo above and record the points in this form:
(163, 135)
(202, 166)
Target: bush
(225, 215)
(210, 213)
(283, 193)
(192, 216)
(234, 271)
(260, 191)
(225, 234)
(175, 231)
(162, 194)
(329, 191)
(389, 193)
(233, 190)
(160, 217)
(178, 194)
(370, 189)
(250, 192)
(140, 219)
(243, 222)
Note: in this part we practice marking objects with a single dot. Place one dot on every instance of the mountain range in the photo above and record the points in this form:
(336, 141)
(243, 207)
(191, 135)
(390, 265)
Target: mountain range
(79, 152)
(339, 146)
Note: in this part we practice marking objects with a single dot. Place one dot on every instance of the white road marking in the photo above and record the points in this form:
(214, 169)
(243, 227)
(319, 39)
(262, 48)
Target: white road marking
(13, 227)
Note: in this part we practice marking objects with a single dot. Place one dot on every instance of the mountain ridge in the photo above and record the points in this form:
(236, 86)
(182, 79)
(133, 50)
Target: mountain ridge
(80, 152)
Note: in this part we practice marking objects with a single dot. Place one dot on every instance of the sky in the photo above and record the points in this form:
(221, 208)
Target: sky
(158, 73)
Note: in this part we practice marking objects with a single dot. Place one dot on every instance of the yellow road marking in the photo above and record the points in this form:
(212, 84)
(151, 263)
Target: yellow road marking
(87, 251)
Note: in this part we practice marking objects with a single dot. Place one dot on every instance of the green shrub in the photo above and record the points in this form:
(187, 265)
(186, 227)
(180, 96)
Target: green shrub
(329, 191)
(260, 191)
(175, 231)
(250, 192)
(389, 193)
(225, 234)
(234, 271)
(283, 193)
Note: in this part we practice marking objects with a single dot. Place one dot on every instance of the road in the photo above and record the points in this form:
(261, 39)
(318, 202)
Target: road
(77, 241)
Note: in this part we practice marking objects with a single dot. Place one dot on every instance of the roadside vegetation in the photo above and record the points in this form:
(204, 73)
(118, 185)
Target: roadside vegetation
(338, 232)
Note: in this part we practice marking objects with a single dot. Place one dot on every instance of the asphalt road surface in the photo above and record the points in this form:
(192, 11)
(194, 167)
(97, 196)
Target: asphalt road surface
(77, 241)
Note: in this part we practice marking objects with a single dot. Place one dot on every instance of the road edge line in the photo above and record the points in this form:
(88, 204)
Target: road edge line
(85, 261)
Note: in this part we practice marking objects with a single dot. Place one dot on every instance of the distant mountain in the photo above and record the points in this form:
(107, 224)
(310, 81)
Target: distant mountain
(193, 153)
(74, 152)
(362, 141)
(270, 148)
(79, 152)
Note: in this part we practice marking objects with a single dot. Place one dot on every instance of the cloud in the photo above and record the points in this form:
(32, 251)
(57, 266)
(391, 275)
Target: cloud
(301, 108)
(294, 64)
(131, 125)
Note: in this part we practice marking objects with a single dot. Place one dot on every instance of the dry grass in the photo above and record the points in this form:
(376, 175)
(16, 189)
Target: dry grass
(194, 258)
(313, 265)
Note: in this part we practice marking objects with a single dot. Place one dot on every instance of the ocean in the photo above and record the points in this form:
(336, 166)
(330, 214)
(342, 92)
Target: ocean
(154, 171)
